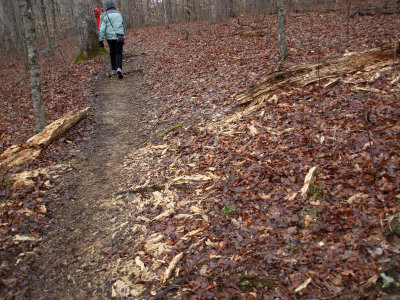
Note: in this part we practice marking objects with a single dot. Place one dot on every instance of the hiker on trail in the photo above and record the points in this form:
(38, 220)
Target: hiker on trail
(112, 28)
(97, 15)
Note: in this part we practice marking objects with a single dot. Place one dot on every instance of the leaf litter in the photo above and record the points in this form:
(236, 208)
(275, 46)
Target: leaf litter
(254, 160)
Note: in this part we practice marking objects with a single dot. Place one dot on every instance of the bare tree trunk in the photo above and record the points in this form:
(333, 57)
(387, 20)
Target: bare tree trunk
(174, 10)
(86, 35)
(214, 11)
(45, 26)
(167, 13)
(33, 64)
(187, 14)
(146, 12)
(230, 13)
(54, 26)
(194, 13)
(283, 49)
(5, 32)
(20, 36)
(53, 18)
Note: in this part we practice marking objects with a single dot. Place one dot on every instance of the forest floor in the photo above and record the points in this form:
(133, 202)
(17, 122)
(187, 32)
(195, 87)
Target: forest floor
(160, 193)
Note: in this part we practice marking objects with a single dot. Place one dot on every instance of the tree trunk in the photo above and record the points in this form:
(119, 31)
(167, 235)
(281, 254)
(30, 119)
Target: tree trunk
(54, 25)
(283, 49)
(174, 11)
(45, 26)
(167, 13)
(53, 18)
(146, 12)
(230, 13)
(5, 32)
(187, 14)
(85, 25)
(20, 35)
(33, 64)
(194, 13)
(214, 11)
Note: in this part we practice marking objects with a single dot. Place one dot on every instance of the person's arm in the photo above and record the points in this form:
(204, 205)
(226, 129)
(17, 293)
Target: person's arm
(123, 24)
(102, 30)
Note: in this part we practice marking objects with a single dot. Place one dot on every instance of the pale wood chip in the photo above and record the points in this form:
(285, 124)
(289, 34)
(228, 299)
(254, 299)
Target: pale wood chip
(170, 268)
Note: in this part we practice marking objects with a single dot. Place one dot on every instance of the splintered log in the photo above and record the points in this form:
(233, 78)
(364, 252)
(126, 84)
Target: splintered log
(56, 129)
(15, 155)
(330, 68)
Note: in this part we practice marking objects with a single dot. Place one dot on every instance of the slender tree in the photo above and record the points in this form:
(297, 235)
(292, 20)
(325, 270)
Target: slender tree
(146, 12)
(187, 14)
(45, 26)
(167, 13)
(283, 48)
(20, 34)
(174, 10)
(214, 4)
(230, 13)
(33, 64)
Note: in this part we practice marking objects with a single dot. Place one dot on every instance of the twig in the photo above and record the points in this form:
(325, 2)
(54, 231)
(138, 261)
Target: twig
(366, 121)
(391, 149)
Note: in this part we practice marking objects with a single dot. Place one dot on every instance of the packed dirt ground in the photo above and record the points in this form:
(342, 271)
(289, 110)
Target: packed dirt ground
(170, 189)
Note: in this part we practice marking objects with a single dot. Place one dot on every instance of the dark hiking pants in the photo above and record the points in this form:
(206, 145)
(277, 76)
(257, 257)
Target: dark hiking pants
(115, 54)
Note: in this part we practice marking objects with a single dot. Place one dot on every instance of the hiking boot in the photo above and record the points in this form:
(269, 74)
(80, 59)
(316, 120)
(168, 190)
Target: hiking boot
(113, 72)
(119, 72)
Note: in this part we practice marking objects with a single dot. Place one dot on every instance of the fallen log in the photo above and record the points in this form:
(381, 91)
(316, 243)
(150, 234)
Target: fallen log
(331, 68)
(15, 155)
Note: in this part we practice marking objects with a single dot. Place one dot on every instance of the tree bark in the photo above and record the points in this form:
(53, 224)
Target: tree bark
(230, 13)
(54, 25)
(146, 12)
(283, 49)
(187, 14)
(167, 13)
(214, 4)
(86, 34)
(20, 35)
(45, 26)
(33, 65)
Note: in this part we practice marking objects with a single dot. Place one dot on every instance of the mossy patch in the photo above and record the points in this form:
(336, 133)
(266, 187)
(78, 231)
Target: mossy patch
(228, 209)
(248, 283)
(81, 57)
(165, 131)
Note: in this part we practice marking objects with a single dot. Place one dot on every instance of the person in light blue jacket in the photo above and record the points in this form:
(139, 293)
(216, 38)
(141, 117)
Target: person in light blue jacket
(112, 29)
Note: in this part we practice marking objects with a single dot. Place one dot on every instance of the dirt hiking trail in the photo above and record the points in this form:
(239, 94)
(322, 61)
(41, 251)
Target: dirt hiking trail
(76, 257)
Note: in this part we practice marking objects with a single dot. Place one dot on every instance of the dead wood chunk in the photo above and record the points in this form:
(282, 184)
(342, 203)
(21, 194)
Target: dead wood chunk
(33, 147)
(171, 267)
(332, 83)
(300, 75)
(20, 157)
(9, 152)
(56, 129)
(367, 89)
(308, 181)
(253, 33)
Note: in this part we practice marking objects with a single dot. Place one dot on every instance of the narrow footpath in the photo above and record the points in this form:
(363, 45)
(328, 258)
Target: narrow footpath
(77, 258)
